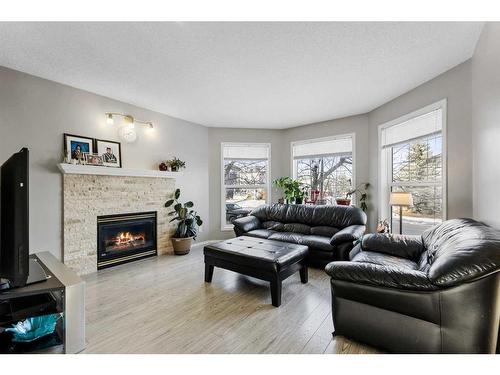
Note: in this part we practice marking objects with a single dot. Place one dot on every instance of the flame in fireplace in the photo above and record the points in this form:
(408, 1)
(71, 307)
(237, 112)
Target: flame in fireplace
(125, 238)
(125, 241)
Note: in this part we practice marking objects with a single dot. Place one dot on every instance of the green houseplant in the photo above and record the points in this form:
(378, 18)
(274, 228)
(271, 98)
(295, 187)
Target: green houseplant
(362, 190)
(293, 190)
(175, 164)
(188, 222)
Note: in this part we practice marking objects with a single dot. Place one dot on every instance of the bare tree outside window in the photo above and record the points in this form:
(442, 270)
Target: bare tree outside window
(331, 175)
(245, 172)
(245, 182)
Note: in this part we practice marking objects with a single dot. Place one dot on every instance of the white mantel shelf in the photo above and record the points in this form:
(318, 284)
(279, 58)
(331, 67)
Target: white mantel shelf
(110, 171)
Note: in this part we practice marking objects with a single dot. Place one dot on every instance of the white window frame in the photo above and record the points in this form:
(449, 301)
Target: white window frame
(385, 177)
(229, 227)
(323, 139)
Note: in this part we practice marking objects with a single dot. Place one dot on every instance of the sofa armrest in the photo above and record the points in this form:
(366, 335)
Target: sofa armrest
(403, 246)
(348, 234)
(377, 275)
(245, 224)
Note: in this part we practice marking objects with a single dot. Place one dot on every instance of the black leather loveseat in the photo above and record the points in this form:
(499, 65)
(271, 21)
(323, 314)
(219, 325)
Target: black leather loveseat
(329, 231)
(435, 293)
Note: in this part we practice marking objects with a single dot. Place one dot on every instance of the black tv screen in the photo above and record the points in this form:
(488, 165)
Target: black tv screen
(14, 234)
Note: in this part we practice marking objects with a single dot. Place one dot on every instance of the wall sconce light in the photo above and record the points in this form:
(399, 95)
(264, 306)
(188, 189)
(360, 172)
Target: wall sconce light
(109, 119)
(128, 118)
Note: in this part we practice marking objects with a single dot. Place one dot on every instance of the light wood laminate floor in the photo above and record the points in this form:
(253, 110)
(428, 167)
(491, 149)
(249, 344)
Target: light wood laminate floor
(163, 305)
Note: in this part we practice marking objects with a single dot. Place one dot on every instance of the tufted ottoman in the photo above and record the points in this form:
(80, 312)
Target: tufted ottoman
(267, 260)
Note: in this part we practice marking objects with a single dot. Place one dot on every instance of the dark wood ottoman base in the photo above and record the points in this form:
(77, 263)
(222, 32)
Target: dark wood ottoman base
(267, 260)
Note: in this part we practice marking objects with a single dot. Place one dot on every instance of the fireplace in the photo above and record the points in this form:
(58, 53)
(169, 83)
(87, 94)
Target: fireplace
(125, 238)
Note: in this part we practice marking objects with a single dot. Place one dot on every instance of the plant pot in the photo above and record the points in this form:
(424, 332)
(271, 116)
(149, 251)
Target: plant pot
(299, 200)
(173, 168)
(343, 201)
(181, 246)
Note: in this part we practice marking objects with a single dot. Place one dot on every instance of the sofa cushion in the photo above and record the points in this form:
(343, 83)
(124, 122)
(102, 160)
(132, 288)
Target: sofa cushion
(317, 242)
(286, 237)
(260, 233)
(384, 260)
(273, 225)
(325, 231)
(379, 275)
(405, 246)
(297, 228)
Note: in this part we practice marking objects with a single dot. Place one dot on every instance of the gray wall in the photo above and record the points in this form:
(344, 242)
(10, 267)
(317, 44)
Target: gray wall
(455, 86)
(486, 124)
(35, 113)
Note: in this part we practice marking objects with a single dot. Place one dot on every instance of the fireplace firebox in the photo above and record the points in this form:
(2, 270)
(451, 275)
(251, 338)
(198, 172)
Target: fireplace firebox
(124, 238)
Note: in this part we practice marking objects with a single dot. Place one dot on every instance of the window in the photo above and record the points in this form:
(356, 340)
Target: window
(245, 179)
(412, 154)
(325, 166)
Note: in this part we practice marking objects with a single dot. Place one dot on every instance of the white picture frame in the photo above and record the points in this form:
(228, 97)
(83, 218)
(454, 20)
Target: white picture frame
(110, 152)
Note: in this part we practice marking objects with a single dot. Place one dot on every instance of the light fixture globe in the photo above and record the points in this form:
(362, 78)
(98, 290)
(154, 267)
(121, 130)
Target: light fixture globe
(128, 133)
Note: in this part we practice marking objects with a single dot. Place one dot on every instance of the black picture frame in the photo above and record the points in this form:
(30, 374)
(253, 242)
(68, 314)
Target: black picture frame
(68, 138)
(101, 143)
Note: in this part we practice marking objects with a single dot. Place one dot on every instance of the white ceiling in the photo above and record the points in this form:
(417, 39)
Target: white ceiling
(256, 75)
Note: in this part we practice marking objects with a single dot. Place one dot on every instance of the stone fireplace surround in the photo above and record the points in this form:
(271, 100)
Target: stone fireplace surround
(87, 196)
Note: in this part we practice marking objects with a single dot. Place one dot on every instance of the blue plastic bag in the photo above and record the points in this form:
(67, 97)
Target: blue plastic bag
(33, 328)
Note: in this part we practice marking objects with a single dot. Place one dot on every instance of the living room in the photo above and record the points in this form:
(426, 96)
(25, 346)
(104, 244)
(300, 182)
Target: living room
(249, 187)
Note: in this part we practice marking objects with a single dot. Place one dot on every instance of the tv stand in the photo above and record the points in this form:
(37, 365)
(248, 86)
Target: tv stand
(36, 275)
(54, 289)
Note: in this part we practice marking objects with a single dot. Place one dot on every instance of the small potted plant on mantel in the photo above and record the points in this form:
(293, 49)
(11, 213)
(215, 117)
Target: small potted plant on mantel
(173, 165)
(188, 222)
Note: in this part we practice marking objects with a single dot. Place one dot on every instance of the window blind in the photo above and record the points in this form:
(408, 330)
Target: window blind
(414, 128)
(311, 149)
(246, 151)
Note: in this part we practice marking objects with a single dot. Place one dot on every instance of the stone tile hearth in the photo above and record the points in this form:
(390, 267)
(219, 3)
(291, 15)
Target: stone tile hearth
(87, 196)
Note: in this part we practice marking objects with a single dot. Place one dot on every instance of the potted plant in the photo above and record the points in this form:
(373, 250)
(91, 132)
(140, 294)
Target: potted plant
(285, 183)
(362, 189)
(343, 201)
(299, 191)
(176, 164)
(292, 189)
(188, 222)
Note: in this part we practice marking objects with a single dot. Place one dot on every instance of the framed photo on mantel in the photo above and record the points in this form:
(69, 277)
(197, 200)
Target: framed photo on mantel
(77, 147)
(110, 152)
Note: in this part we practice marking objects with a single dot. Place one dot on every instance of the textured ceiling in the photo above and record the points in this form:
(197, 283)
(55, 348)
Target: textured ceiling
(257, 75)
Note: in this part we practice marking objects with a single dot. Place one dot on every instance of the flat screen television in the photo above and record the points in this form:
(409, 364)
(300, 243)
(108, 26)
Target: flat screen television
(14, 233)
(15, 265)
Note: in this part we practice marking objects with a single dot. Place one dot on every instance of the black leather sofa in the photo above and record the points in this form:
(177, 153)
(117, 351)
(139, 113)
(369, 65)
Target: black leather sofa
(328, 231)
(435, 293)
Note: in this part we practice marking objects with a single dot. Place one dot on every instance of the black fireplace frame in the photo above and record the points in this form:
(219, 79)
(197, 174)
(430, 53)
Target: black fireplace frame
(119, 259)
